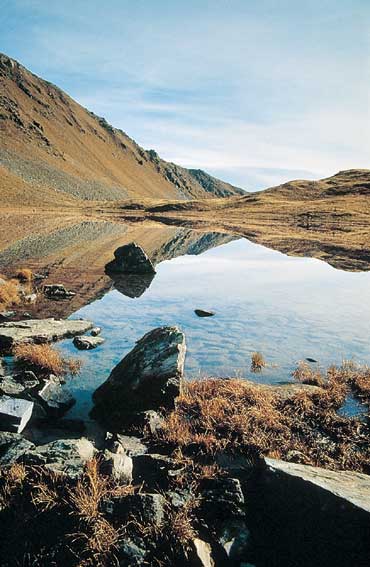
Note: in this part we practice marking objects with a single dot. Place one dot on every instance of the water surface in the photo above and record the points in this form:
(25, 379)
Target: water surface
(287, 308)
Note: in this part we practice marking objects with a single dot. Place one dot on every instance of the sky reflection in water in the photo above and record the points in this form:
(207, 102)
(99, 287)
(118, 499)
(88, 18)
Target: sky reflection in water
(286, 308)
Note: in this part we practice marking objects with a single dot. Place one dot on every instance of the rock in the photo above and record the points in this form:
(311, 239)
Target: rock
(131, 285)
(131, 259)
(154, 471)
(148, 378)
(309, 359)
(222, 501)
(12, 447)
(14, 413)
(236, 540)
(131, 552)
(10, 386)
(67, 456)
(57, 291)
(2, 367)
(7, 314)
(40, 331)
(119, 464)
(55, 399)
(202, 313)
(95, 331)
(202, 554)
(131, 445)
(87, 343)
(26, 315)
(30, 298)
(309, 516)
(147, 509)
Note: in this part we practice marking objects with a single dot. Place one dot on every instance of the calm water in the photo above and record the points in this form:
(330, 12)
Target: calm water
(286, 308)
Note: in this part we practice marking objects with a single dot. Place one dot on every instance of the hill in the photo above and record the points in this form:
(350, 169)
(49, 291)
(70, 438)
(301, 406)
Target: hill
(55, 152)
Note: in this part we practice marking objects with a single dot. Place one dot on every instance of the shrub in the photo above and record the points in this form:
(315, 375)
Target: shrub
(46, 358)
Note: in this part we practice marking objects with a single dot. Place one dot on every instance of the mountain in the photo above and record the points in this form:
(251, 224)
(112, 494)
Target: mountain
(55, 152)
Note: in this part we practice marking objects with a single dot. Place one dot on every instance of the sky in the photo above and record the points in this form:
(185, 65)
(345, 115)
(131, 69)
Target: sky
(256, 92)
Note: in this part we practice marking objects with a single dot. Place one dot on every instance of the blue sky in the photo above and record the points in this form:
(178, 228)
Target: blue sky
(256, 92)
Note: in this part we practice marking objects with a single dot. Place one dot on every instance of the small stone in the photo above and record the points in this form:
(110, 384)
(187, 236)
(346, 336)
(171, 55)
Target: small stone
(9, 386)
(309, 359)
(154, 471)
(14, 413)
(147, 509)
(12, 447)
(202, 554)
(87, 343)
(202, 313)
(95, 331)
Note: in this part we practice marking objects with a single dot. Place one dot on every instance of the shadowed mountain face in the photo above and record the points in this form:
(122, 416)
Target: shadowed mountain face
(75, 254)
(54, 152)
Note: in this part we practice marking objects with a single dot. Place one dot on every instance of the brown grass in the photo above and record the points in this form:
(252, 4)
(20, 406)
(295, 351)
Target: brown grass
(305, 374)
(257, 362)
(24, 275)
(236, 416)
(9, 294)
(86, 496)
(46, 358)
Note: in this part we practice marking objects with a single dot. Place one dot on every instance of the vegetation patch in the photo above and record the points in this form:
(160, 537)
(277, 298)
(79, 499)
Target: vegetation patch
(237, 416)
(46, 358)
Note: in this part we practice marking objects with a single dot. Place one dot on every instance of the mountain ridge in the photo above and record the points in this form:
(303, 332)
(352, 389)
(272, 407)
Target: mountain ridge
(53, 148)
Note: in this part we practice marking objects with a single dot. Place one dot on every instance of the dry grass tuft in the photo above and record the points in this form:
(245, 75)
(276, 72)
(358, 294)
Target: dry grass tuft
(86, 496)
(304, 374)
(46, 358)
(24, 275)
(257, 362)
(9, 293)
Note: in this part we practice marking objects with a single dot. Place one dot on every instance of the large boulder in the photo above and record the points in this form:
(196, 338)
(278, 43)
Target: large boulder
(40, 331)
(304, 515)
(130, 259)
(148, 378)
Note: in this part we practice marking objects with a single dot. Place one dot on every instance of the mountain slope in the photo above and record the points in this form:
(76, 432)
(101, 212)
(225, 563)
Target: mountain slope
(52, 149)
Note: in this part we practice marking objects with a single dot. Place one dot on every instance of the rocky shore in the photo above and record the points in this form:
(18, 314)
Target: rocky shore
(125, 495)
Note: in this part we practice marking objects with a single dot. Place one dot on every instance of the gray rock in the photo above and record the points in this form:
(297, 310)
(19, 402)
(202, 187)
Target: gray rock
(147, 509)
(87, 343)
(131, 445)
(222, 501)
(7, 314)
(55, 398)
(14, 413)
(202, 313)
(2, 368)
(154, 471)
(95, 331)
(39, 331)
(57, 291)
(310, 516)
(131, 552)
(119, 464)
(12, 447)
(67, 456)
(201, 554)
(131, 259)
(148, 378)
(10, 386)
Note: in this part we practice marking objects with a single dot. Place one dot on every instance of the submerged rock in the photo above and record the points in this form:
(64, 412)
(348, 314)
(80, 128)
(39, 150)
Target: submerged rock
(202, 313)
(40, 331)
(87, 343)
(14, 413)
(148, 378)
(95, 331)
(131, 259)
